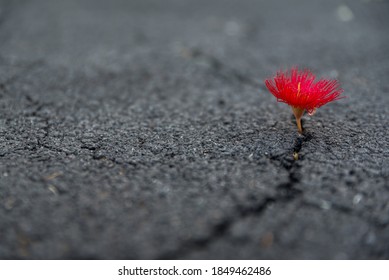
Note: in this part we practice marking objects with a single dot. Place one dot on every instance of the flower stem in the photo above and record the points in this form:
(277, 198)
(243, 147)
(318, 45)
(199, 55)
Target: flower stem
(298, 113)
(299, 126)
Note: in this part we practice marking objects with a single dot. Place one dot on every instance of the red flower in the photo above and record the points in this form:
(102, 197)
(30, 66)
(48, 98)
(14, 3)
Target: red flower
(299, 90)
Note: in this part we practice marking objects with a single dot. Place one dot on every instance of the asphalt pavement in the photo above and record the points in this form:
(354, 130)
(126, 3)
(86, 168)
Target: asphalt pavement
(143, 130)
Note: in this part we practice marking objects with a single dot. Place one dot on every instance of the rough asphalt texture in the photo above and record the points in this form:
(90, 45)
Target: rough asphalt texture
(143, 130)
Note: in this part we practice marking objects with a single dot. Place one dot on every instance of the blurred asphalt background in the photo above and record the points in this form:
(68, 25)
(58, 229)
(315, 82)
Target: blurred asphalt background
(143, 130)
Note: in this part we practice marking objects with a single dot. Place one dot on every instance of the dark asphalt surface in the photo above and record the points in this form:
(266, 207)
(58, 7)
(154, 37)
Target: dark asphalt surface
(143, 130)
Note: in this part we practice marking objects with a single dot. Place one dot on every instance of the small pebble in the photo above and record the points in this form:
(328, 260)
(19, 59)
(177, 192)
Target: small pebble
(357, 198)
(325, 205)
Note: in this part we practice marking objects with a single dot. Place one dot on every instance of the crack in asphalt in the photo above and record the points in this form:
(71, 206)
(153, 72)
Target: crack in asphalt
(289, 191)
(292, 166)
(218, 231)
(286, 193)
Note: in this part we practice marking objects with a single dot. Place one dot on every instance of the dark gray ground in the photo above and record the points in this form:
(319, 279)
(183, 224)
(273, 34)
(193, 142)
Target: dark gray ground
(143, 130)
